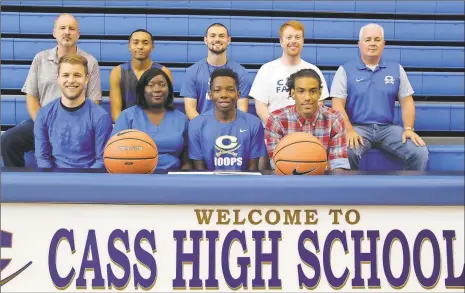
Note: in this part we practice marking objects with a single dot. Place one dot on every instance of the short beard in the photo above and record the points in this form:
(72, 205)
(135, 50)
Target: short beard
(217, 52)
(73, 97)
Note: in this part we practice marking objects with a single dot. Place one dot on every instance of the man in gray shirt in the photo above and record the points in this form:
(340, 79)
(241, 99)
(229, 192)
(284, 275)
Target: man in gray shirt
(41, 87)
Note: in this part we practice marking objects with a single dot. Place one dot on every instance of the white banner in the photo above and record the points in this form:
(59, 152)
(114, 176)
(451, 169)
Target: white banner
(66, 247)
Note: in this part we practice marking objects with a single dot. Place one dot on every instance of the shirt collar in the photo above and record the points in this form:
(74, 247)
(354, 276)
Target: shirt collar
(361, 65)
(52, 54)
(312, 120)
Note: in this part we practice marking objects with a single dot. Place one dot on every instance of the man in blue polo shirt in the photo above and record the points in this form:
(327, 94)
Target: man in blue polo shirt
(365, 91)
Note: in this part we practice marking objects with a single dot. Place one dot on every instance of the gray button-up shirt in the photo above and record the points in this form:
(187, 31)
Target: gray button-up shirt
(42, 82)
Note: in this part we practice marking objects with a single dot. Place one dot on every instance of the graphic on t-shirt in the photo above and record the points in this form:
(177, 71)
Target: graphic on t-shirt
(207, 97)
(389, 79)
(227, 155)
(281, 86)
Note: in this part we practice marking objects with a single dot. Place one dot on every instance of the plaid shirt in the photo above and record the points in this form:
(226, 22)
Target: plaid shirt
(327, 125)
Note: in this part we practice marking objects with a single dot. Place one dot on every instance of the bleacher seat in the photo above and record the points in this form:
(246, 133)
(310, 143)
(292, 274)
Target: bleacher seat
(416, 30)
(305, 5)
(412, 7)
(130, 4)
(457, 117)
(90, 23)
(84, 3)
(447, 117)
(424, 83)
(13, 76)
(441, 158)
(257, 27)
(450, 7)
(8, 110)
(9, 22)
(335, 6)
(359, 6)
(240, 26)
(218, 4)
(113, 23)
(11, 2)
(168, 4)
(449, 31)
(326, 28)
(41, 2)
(444, 83)
(7, 49)
(173, 25)
(420, 56)
(37, 23)
(379, 6)
(252, 5)
(453, 57)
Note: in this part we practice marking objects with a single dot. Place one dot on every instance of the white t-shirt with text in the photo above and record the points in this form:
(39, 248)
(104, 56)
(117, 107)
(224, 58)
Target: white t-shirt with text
(269, 86)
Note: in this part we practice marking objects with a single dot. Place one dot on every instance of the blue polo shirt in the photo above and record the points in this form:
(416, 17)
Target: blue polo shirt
(371, 94)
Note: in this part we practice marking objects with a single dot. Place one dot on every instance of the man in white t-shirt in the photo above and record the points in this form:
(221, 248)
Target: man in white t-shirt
(269, 87)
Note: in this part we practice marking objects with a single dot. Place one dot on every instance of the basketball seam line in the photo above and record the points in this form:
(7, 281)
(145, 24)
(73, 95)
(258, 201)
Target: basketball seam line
(303, 162)
(148, 158)
(295, 143)
(131, 138)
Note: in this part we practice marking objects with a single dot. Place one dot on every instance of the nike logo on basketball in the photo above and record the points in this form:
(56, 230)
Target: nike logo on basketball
(242, 130)
(359, 80)
(295, 172)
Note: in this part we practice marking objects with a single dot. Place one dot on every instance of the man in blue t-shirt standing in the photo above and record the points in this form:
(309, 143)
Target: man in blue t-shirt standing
(71, 132)
(365, 91)
(225, 139)
(195, 85)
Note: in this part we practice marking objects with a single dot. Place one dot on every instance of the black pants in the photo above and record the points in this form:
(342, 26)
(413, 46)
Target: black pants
(16, 142)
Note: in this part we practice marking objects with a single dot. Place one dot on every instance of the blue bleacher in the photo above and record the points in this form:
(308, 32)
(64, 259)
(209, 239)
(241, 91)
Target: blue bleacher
(347, 6)
(249, 53)
(424, 83)
(240, 26)
(447, 117)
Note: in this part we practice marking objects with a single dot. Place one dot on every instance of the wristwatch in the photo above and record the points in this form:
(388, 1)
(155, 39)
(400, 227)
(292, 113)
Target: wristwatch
(409, 128)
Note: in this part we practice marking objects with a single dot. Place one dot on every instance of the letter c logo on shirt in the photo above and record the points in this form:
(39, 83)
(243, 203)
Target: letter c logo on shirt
(232, 142)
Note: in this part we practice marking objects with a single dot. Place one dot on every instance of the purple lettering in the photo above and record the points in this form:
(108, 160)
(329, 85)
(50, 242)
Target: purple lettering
(335, 283)
(364, 257)
(90, 265)
(146, 259)
(451, 281)
(309, 259)
(119, 258)
(187, 258)
(266, 258)
(58, 281)
(396, 283)
(430, 282)
(242, 262)
(211, 282)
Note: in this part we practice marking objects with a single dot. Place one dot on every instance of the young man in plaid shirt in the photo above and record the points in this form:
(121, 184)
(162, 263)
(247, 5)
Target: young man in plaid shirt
(306, 115)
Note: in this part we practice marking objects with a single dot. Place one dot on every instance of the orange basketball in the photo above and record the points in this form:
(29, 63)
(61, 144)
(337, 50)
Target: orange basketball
(130, 151)
(300, 153)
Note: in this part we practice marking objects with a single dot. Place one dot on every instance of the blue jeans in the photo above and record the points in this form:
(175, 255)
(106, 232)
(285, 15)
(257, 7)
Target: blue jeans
(16, 142)
(388, 138)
